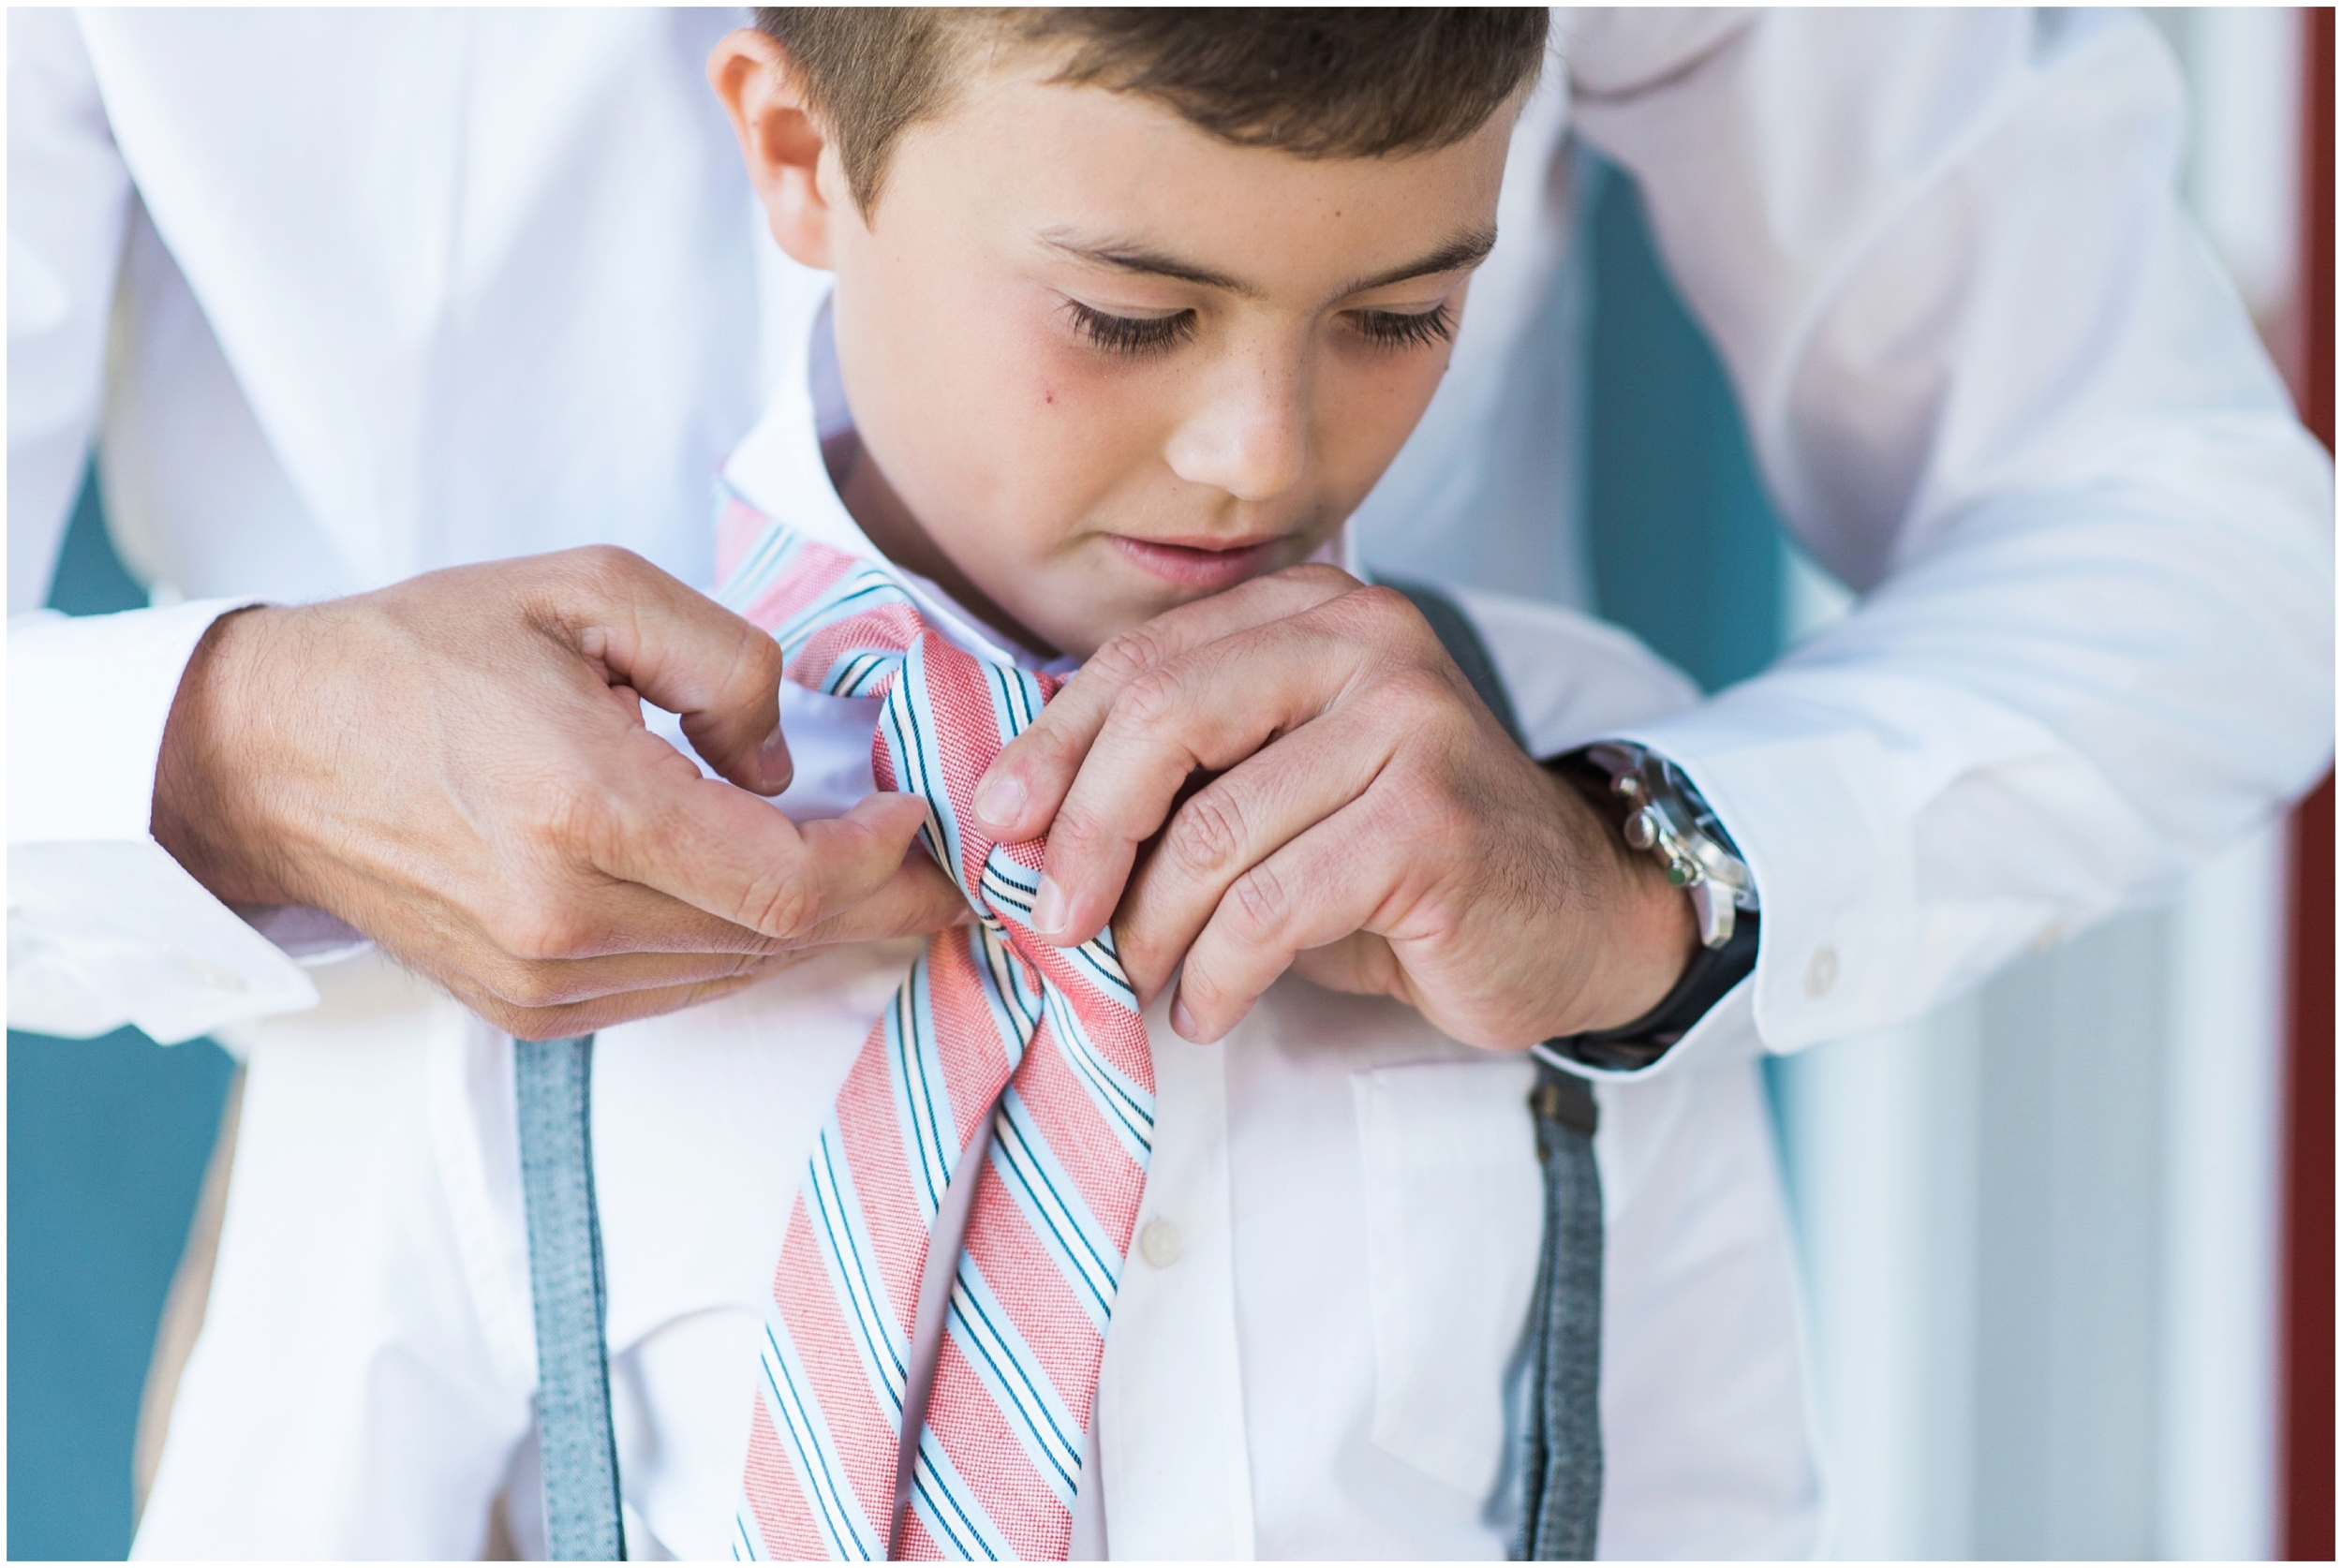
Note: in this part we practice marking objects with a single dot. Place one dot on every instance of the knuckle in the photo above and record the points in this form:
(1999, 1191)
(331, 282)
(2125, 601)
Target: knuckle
(1324, 578)
(1149, 700)
(1388, 620)
(515, 985)
(605, 565)
(538, 932)
(1206, 834)
(534, 987)
(779, 904)
(1421, 692)
(1261, 901)
(1382, 603)
(758, 664)
(1128, 655)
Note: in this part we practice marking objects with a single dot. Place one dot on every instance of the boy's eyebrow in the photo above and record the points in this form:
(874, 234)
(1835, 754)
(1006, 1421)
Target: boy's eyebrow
(1468, 250)
(1129, 256)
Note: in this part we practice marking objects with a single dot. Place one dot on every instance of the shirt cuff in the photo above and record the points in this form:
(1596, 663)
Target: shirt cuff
(1835, 879)
(105, 928)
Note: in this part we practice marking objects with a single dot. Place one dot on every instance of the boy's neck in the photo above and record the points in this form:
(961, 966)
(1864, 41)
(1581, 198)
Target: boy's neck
(881, 515)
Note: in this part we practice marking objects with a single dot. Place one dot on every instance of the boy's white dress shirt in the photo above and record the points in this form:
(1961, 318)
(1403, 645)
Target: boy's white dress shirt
(1312, 1347)
(389, 290)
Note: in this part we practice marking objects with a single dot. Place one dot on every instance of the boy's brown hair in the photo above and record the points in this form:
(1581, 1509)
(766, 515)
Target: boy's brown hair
(1335, 83)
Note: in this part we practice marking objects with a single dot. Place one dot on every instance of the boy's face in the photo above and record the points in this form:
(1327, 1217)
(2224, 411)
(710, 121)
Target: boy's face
(1103, 363)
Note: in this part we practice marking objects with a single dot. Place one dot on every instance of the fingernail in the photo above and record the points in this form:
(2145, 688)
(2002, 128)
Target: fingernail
(773, 760)
(1048, 906)
(1002, 801)
(1182, 1021)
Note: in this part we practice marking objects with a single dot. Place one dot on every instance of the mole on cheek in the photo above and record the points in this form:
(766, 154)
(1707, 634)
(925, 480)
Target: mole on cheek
(1048, 395)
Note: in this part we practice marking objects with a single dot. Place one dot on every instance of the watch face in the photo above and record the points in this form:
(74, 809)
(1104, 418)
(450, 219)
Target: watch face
(1695, 806)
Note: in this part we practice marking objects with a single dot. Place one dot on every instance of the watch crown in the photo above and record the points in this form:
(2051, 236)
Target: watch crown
(1642, 832)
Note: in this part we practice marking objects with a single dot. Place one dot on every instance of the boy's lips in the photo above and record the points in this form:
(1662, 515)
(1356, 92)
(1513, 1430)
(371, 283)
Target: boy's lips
(1199, 565)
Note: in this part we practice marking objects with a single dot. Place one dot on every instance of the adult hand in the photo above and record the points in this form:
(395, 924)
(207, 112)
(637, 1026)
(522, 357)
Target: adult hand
(457, 766)
(1371, 825)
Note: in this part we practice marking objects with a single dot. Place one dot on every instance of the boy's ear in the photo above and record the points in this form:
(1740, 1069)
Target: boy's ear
(780, 140)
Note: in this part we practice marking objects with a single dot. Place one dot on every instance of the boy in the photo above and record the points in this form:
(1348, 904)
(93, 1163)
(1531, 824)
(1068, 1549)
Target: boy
(1106, 333)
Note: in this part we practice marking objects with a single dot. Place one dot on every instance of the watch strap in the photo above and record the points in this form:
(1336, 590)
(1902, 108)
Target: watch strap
(1705, 982)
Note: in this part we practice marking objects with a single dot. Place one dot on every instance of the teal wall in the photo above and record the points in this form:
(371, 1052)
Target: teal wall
(107, 1139)
(107, 1143)
(1686, 548)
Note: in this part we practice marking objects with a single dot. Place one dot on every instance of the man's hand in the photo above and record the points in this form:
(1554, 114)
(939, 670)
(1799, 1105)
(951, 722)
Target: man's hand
(457, 766)
(1371, 825)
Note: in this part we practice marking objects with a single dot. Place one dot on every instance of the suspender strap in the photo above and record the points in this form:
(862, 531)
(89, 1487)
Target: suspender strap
(1561, 1474)
(554, 1082)
(1562, 1499)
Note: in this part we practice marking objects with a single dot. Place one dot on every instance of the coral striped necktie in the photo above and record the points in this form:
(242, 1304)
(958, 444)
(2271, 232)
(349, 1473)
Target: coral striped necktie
(992, 1022)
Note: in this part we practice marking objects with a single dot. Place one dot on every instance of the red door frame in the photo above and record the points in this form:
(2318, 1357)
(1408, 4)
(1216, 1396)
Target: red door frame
(2306, 1334)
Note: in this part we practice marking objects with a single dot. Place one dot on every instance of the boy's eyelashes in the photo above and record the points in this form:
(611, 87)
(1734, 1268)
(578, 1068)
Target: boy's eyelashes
(1400, 328)
(1135, 335)
(1140, 335)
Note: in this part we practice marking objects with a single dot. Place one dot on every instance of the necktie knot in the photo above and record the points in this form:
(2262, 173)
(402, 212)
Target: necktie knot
(848, 629)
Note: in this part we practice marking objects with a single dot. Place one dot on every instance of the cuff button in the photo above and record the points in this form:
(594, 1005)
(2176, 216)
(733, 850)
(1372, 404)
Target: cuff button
(1822, 973)
(210, 975)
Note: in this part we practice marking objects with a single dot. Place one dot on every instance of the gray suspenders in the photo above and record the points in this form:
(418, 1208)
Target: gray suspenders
(1562, 1476)
(1562, 1457)
(1562, 1469)
(553, 1083)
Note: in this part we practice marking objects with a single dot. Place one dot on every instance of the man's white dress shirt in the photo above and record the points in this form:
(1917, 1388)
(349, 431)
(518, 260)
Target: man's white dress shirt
(346, 296)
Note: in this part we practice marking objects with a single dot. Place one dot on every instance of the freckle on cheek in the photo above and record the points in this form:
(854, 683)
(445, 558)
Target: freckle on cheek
(1048, 395)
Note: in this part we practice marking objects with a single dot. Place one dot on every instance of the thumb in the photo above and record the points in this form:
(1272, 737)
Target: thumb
(684, 652)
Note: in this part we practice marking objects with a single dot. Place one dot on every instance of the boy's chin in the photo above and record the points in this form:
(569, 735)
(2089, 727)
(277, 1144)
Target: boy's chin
(1131, 612)
(1127, 598)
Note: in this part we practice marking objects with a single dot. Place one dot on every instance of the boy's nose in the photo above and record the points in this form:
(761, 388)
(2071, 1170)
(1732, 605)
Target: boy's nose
(1249, 436)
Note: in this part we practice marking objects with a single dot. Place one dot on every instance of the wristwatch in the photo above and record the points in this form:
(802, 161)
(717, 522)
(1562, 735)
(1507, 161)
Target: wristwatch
(1665, 815)
(1659, 811)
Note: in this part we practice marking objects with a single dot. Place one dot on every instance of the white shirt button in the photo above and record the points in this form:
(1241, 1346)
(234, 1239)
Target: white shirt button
(1160, 1243)
(1822, 973)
